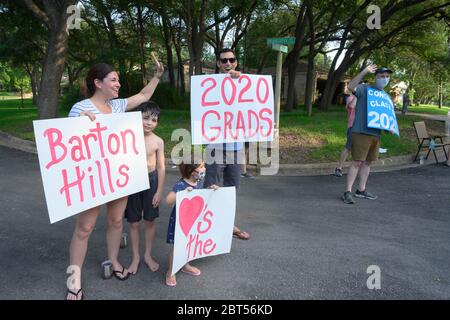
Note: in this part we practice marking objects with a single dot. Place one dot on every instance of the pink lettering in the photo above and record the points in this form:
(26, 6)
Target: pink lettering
(53, 143)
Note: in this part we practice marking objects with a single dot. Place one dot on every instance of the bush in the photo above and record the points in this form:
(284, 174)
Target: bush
(71, 96)
(169, 97)
(165, 95)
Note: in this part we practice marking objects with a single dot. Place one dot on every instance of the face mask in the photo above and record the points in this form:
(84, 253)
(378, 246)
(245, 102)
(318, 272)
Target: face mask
(199, 176)
(382, 82)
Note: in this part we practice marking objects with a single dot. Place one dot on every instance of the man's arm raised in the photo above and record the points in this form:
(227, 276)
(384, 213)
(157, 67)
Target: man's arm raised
(356, 80)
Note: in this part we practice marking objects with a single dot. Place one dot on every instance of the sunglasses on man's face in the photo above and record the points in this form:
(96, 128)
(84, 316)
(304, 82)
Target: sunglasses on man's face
(224, 60)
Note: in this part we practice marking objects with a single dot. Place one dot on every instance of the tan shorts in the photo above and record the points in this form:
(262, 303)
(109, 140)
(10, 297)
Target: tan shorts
(365, 147)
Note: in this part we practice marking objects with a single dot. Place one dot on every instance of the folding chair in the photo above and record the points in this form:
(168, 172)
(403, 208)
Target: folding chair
(425, 141)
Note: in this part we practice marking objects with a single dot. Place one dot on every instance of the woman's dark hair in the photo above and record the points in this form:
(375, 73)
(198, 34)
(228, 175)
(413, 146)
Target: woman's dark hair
(186, 169)
(149, 107)
(97, 71)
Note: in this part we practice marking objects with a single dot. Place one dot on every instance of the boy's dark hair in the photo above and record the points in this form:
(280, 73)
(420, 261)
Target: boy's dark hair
(186, 169)
(149, 107)
(223, 51)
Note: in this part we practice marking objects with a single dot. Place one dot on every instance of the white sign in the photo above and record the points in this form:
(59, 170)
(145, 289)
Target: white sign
(224, 109)
(87, 163)
(204, 224)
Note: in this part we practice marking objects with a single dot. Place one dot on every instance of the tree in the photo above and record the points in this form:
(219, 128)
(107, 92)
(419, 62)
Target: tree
(420, 57)
(357, 39)
(54, 16)
(23, 47)
(293, 56)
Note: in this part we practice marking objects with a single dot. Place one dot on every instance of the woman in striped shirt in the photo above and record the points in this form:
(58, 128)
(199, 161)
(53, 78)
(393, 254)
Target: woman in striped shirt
(103, 85)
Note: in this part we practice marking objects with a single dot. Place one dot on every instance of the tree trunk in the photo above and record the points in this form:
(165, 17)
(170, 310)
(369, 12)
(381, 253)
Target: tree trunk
(293, 56)
(440, 92)
(195, 23)
(309, 87)
(55, 18)
(52, 72)
(21, 95)
(330, 89)
(177, 46)
(140, 25)
(197, 49)
(35, 83)
(292, 71)
(310, 71)
(70, 76)
(411, 86)
(168, 44)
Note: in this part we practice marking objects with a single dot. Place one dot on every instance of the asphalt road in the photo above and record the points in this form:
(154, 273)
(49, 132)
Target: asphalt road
(306, 243)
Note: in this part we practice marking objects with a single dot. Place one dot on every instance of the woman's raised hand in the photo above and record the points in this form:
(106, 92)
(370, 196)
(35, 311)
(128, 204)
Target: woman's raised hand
(158, 66)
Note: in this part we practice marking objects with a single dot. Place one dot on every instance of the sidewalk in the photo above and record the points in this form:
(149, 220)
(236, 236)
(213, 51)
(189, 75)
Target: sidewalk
(310, 169)
(437, 117)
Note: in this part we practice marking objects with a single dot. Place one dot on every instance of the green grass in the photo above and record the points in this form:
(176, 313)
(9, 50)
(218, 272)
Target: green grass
(8, 94)
(326, 133)
(18, 121)
(430, 109)
(323, 134)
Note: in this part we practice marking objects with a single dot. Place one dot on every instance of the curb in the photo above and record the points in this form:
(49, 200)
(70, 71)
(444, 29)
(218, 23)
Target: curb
(309, 169)
(10, 141)
(386, 164)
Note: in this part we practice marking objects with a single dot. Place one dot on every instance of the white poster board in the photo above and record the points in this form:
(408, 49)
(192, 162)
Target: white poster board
(224, 109)
(204, 224)
(87, 163)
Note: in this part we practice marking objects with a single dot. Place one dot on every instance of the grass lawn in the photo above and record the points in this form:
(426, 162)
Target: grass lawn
(430, 109)
(303, 139)
(321, 137)
(18, 122)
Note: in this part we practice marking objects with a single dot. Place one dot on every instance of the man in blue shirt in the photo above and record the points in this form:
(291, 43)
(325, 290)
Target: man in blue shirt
(230, 167)
(365, 140)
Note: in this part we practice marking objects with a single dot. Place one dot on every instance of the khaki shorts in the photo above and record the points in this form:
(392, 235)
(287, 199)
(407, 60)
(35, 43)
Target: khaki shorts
(365, 147)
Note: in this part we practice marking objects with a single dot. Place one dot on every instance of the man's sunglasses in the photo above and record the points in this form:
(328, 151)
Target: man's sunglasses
(224, 60)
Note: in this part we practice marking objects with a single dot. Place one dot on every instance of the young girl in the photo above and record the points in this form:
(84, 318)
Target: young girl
(191, 178)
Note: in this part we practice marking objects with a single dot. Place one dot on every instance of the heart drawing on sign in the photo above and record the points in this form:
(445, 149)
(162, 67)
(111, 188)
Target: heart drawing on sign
(190, 209)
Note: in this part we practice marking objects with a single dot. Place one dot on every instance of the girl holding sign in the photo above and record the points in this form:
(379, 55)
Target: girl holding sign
(192, 176)
(103, 85)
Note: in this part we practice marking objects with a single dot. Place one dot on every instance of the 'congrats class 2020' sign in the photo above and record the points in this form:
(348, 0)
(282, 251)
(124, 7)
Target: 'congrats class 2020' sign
(224, 109)
(87, 163)
(380, 111)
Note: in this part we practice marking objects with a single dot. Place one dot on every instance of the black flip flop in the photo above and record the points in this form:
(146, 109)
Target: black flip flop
(75, 294)
(115, 273)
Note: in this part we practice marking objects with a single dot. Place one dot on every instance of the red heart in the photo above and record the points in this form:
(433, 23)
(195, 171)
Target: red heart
(190, 209)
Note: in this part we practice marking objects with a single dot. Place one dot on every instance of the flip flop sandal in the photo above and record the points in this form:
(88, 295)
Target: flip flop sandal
(241, 235)
(170, 281)
(192, 273)
(75, 294)
(115, 273)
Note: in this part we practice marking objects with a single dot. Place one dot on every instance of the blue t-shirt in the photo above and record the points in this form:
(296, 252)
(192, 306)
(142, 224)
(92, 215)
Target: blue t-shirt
(117, 106)
(360, 122)
(177, 187)
(229, 146)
